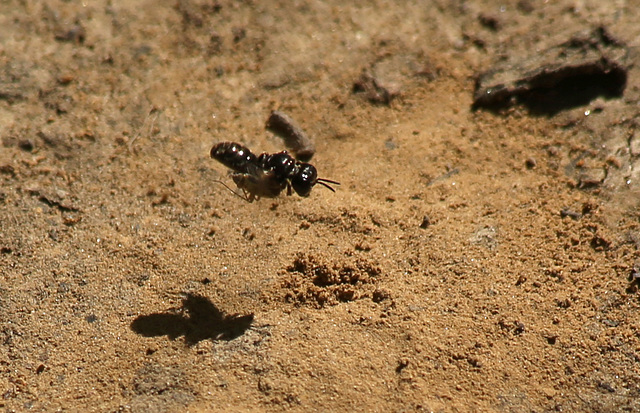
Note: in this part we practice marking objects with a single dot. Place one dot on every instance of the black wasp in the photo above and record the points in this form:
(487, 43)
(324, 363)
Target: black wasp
(267, 175)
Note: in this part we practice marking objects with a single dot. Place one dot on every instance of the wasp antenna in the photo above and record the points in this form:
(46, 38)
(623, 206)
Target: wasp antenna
(322, 182)
(328, 180)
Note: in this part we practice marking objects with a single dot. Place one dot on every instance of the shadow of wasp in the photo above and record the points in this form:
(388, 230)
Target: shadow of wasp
(198, 319)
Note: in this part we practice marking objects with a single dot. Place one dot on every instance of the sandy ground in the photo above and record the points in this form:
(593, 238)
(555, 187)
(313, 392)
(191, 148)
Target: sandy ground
(469, 261)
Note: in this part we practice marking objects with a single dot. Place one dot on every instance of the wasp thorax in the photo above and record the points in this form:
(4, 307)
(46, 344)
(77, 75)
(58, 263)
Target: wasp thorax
(282, 164)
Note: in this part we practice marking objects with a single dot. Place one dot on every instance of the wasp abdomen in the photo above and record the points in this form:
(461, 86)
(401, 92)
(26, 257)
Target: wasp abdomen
(233, 156)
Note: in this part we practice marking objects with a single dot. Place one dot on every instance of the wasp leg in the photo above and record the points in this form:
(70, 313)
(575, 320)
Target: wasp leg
(244, 196)
(249, 196)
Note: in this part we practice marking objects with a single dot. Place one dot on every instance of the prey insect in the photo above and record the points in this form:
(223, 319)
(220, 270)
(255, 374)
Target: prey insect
(267, 175)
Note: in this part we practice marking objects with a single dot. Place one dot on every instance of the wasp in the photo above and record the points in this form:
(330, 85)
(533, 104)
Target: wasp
(267, 175)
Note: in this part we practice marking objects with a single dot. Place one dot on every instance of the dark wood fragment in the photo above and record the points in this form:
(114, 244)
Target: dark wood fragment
(295, 139)
(374, 90)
